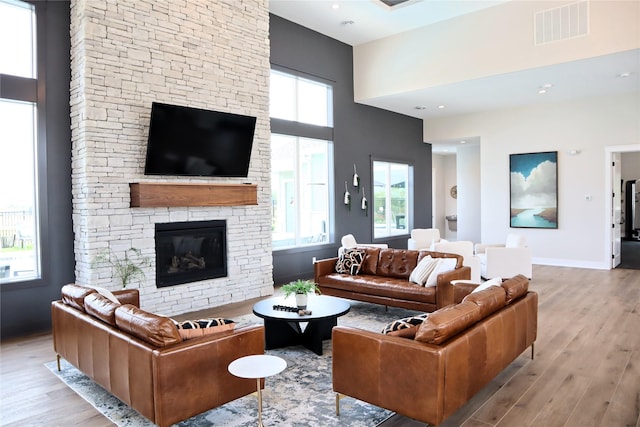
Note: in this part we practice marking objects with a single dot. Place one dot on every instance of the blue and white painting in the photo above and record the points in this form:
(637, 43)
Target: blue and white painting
(534, 190)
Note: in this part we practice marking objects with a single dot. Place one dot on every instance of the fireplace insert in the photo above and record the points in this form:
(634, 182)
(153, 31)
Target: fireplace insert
(190, 251)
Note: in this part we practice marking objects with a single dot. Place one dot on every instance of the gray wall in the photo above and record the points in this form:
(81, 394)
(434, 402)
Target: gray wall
(26, 306)
(359, 132)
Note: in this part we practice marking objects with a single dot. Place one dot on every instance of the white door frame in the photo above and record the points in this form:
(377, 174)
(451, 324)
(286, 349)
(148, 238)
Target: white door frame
(616, 213)
(608, 190)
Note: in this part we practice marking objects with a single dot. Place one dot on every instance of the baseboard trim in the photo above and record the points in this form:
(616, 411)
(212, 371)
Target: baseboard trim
(555, 262)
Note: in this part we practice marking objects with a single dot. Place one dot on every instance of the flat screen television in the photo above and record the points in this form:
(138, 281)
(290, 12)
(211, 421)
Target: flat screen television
(186, 141)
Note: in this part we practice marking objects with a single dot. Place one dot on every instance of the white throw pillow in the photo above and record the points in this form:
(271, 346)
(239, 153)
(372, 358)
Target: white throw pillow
(496, 281)
(464, 282)
(106, 293)
(444, 265)
(420, 274)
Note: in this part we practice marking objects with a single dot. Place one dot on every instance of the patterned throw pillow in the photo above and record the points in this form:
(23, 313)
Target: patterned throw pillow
(198, 328)
(350, 261)
(405, 323)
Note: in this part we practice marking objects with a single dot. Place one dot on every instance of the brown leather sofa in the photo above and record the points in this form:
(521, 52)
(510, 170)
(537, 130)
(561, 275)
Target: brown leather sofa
(142, 360)
(427, 372)
(384, 279)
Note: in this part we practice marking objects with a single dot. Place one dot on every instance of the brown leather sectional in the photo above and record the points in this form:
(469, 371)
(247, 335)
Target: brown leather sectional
(384, 279)
(431, 372)
(142, 360)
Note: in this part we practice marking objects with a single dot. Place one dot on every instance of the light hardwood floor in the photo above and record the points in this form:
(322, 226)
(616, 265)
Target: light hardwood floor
(586, 370)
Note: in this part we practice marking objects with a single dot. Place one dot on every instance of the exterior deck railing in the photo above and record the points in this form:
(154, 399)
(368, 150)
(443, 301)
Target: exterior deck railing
(15, 228)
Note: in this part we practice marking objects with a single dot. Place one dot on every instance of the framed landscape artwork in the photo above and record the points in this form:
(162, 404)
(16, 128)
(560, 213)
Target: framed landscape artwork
(534, 190)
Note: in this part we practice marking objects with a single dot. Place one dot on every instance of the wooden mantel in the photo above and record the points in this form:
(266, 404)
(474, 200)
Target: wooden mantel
(164, 194)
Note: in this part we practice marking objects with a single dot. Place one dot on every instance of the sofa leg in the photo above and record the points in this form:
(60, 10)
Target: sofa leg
(58, 361)
(532, 349)
(338, 397)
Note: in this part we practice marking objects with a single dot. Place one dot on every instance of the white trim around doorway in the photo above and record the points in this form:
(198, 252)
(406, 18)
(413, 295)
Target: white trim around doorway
(608, 190)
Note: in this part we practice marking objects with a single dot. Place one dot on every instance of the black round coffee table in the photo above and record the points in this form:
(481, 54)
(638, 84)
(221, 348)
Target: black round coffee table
(283, 328)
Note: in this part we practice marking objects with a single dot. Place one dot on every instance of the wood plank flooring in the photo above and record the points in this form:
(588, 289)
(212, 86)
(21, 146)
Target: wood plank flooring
(586, 370)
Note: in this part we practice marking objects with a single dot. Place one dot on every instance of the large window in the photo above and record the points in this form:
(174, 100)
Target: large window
(301, 160)
(391, 198)
(19, 242)
(17, 39)
(301, 100)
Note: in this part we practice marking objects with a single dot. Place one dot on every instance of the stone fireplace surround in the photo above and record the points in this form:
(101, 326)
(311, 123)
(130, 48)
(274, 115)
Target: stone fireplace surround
(124, 55)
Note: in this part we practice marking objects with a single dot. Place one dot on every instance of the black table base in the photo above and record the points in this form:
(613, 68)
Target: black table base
(281, 333)
(285, 328)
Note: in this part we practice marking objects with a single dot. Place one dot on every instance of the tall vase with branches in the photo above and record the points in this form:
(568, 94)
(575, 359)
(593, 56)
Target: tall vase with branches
(126, 268)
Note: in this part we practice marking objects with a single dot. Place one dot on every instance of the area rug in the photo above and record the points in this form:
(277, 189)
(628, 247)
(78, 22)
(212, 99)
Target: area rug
(300, 396)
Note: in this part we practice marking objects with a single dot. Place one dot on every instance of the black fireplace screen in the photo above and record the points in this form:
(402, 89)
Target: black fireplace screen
(190, 251)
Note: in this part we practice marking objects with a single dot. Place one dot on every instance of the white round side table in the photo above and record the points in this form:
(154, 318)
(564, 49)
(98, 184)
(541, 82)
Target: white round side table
(257, 366)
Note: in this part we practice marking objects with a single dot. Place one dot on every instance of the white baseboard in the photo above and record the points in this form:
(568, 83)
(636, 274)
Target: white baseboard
(575, 263)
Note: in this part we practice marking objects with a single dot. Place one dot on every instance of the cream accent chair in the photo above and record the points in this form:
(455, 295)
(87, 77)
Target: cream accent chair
(505, 260)
(348, 241)
(423, 238)
(464, 248)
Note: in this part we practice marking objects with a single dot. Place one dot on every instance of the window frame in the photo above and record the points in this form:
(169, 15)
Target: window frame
(408, 223)
(323, 133)
(33, 90)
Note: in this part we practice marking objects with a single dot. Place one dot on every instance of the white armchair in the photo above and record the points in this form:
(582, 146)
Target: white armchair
(348, 241)
(505, 260)
(423, 238)
(464, 248)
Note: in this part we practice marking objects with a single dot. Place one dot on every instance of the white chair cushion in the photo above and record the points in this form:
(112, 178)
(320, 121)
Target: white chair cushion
(515, 241)
(460, 247)
(348, 241)
(426, 235)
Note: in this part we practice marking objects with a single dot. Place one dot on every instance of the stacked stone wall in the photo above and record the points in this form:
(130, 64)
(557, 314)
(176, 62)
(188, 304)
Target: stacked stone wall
(124, 56)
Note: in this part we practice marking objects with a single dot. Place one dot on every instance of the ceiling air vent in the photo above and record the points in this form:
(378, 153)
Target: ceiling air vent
(393, 3)
(561, 23)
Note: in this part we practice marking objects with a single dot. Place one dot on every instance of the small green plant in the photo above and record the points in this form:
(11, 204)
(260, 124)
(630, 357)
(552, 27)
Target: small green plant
(300, 287)
(127, 269)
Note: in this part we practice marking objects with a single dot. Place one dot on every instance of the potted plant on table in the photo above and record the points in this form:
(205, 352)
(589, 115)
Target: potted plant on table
(301, 289)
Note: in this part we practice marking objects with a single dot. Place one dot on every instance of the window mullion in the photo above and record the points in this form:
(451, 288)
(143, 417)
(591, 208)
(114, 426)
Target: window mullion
(296, 101)
(389, 216)
(298, 200)
(18, 88)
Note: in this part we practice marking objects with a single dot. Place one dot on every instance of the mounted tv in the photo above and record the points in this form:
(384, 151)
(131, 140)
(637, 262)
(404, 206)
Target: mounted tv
(185, 141)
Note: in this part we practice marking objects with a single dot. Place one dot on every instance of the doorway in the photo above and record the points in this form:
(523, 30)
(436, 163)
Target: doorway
(620, 166)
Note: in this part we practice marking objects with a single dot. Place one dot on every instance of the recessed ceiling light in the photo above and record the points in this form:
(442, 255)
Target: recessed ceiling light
(335, 6)
(440, 107)
(544, 88)
(625, 74)
(463, 142)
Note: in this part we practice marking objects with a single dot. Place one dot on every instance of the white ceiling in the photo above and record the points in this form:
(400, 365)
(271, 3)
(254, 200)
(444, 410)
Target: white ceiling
(372, 20)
